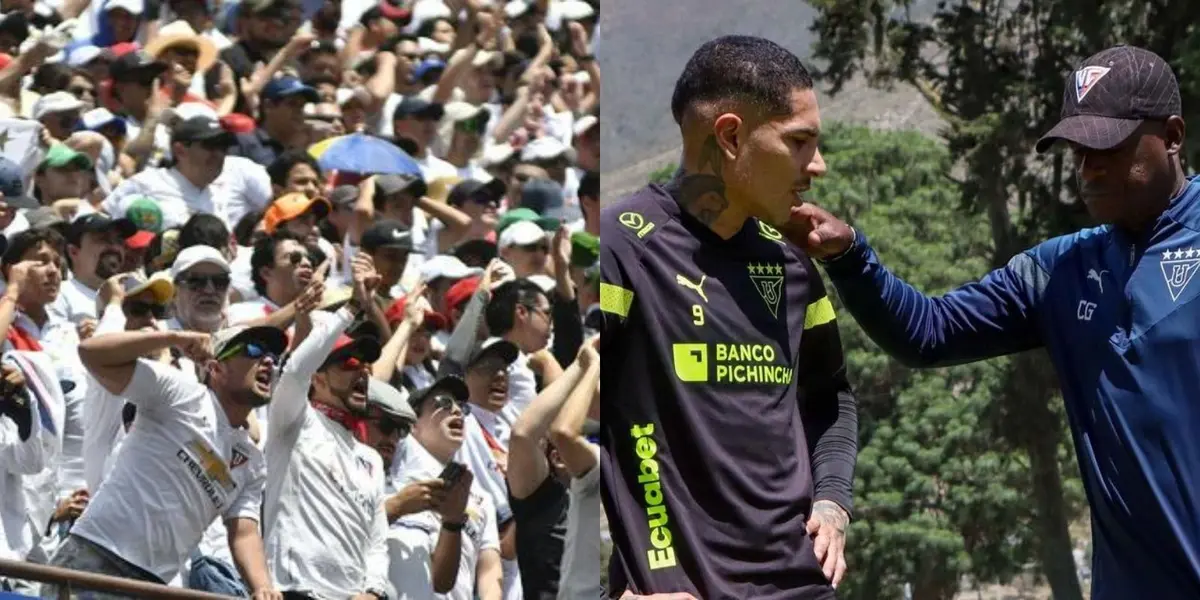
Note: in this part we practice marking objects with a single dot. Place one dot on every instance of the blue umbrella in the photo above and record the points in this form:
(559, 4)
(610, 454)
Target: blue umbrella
(364, 154)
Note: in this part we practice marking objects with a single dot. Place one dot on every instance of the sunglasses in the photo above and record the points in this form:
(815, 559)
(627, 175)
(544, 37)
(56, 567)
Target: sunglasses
(296, 257)
(387, 425)
(139, 309)
(198, 283)
(249, 349)
(447, 403)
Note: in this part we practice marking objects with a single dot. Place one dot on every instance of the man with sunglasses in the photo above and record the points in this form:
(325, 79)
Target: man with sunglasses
(189, 454)
(417, 120)
(325, 521)
(452, 547)
(525, 246)
(479, 202)
(202, 279)
(282, 269)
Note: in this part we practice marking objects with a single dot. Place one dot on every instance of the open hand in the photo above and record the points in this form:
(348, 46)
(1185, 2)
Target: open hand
(827, 525)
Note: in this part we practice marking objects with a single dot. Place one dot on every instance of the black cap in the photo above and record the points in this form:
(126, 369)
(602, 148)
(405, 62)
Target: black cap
(1110, 95)
(473, 189)
(413, 106)
(499, 348)
(136, 65)
(475, 252)
(414, 184)
(201, 129)
(450, 384)
(97, 223)
(364, 348)
(386, 234)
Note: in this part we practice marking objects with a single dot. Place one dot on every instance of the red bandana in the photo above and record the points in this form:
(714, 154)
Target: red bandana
(356, 425)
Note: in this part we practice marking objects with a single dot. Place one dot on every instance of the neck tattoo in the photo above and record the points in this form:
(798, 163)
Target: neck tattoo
(702, 194)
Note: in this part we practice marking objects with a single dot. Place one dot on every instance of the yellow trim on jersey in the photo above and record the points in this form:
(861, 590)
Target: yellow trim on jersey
(615, 299)
(819, 313)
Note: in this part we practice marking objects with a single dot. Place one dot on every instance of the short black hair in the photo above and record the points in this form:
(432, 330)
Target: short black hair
(264, 256)
(742, 68)
(52, 77)
(29, 239)
(426, 28)
(279, 168)
(391, 44)
(243, 232)
(500, 313)
(589, 185)
(203, 229)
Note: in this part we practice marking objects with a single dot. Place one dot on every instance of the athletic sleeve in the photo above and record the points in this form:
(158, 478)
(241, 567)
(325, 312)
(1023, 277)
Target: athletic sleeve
(616, 293)
(828, 407)
(290, 397)
(992, 317)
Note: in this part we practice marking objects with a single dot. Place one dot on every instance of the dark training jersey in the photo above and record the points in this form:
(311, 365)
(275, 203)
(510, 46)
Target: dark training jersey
(726, 411)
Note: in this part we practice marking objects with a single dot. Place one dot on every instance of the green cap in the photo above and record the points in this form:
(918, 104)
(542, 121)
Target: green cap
(526, 214)
(61, 155)
(585, 249)
(145, 213)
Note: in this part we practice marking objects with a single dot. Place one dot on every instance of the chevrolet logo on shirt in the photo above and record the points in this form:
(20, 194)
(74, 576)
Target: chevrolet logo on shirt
(213, 466)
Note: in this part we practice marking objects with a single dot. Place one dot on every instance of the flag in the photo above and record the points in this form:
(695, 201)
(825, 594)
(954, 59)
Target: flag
(20, 142)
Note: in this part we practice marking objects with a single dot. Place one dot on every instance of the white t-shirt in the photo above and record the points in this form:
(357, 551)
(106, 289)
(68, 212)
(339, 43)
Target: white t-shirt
(243, 186)
(75, 302)
(483, 460)
(244, 312)
(413, 538)
(580, 574)
(183, 465)
(324, 520)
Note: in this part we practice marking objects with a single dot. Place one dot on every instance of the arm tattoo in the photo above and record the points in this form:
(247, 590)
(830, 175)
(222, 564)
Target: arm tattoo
(703, 194)
(830, 513)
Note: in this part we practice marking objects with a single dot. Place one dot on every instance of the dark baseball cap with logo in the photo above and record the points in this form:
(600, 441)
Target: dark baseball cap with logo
(203, 130)
(1110, 95)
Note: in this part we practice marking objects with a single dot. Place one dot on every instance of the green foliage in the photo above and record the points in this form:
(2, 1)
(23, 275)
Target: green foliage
(664, 174)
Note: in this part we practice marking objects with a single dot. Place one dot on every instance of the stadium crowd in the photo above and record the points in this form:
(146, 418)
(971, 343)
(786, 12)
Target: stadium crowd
(300, 299)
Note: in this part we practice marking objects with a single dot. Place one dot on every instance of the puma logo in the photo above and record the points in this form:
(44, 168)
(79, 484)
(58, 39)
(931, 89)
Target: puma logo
(696, 287)
(1096, 276)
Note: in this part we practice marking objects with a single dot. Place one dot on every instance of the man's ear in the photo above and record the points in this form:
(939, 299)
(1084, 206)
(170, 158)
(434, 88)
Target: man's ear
(1176, 131)
(725, 129)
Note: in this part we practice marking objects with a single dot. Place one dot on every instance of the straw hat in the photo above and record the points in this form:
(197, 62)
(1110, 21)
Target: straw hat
(179, 33)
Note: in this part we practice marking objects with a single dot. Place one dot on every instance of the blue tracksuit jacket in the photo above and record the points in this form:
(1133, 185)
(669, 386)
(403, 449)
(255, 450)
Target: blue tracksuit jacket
(1120, 318)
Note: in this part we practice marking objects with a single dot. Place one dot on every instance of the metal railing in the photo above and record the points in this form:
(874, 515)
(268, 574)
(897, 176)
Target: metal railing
(71, 581)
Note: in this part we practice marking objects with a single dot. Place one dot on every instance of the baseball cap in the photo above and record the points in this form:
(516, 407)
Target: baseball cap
(585, 249)
(428, 66)
(83, 55)
(1110, 95)
(344, 96)
(135, 65)
(55, 102)
(394, 11)
(584, 124)
(140, 240)
(386, 234)
(518, 215)
(522, 233)
(475, 251)
(273, 339)
(412, 106)
(195, 255)
(201, 129)
(44, 217)
(133, 7)
(388, 185)
(146, 214)
(444, 266)
(290, 206)
(98, 222)
(61, 155)
(12, 185)
(496, 154)
(544, 148)
(433, 319)
(390, 400)
(98, 118)
(461, 292)
(543, 196)
(363, 348)
(500, 348)
(287, 86)
(159, 284)
(344, 196)
(450, 384)
(473, 189)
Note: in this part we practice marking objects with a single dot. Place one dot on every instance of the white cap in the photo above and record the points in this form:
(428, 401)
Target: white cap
(516, 8)
(446, 266)
(98, 117)
(496, 154)
(543, 148)
(583, 124)
(573, 10)
(194, 255)
(425, 10)
(521, 233)
(83, 55)
(461, 111)
(189, 110)
(426, 45)
(135, 7)
(545, 282)
(55, 102)
(345, 95)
